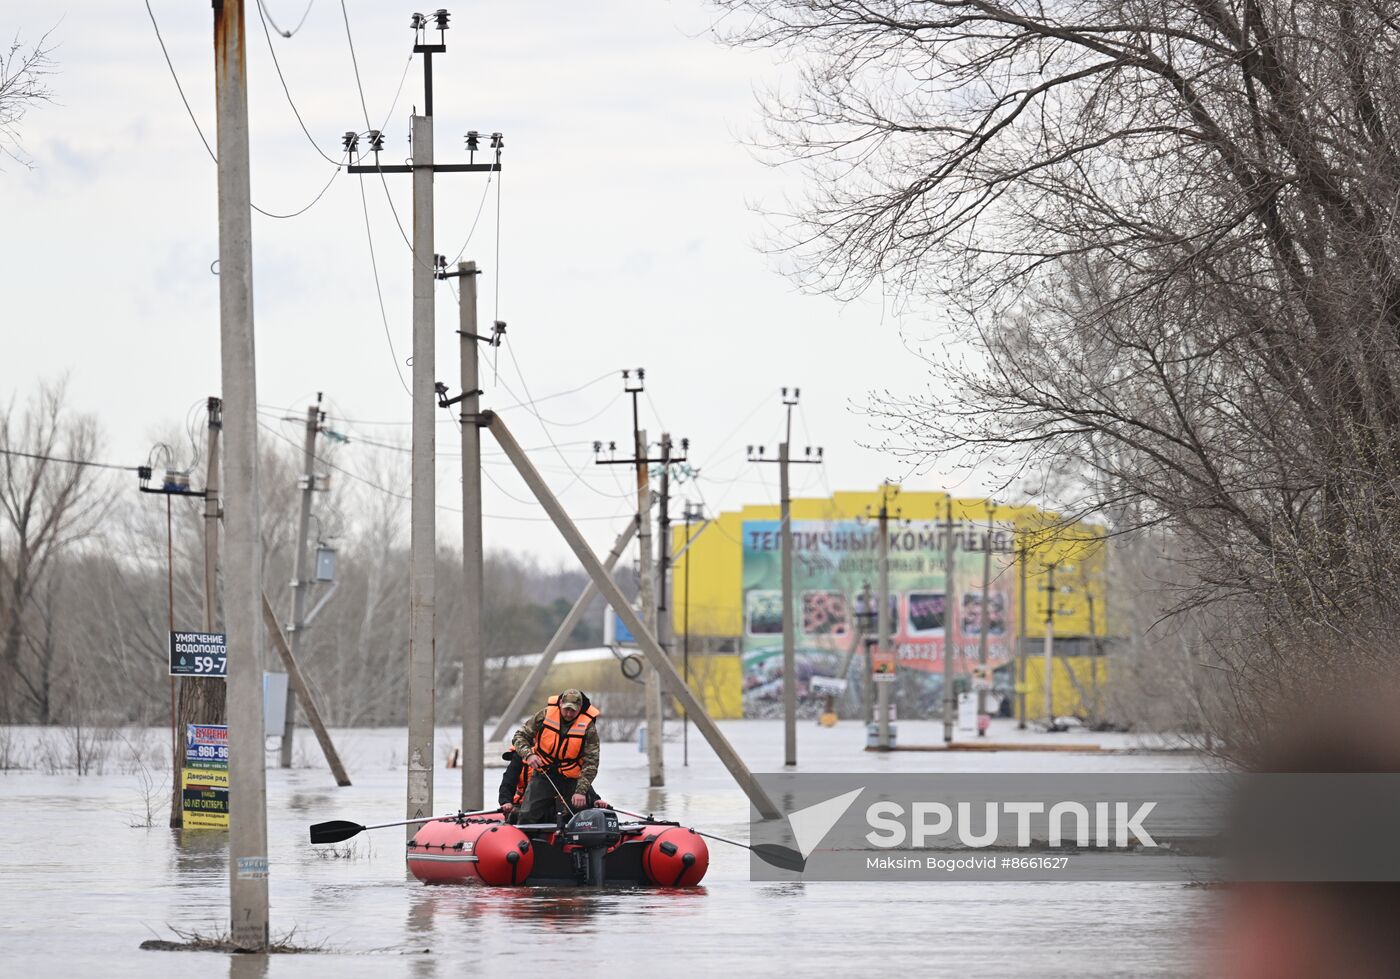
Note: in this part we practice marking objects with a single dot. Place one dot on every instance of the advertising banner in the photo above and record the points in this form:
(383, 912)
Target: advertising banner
(204, 777)
(198, 654)
(204, 798)
(835, 568)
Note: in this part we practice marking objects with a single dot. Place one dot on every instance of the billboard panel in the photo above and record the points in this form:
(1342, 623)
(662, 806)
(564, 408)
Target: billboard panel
(833, 563)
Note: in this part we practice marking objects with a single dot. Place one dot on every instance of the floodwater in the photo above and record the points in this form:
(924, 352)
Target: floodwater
(83, 881)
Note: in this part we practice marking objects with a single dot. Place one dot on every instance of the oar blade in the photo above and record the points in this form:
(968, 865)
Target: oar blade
(334, 831)
(782, 857)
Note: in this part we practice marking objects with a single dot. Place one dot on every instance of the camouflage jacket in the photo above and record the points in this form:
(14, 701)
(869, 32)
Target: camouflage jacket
(524, 742)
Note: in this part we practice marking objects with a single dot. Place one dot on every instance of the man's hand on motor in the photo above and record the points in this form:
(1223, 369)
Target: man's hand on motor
(600, 804)
(580, 800)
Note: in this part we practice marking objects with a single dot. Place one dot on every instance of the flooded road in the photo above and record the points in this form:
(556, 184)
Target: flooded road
(83, 882)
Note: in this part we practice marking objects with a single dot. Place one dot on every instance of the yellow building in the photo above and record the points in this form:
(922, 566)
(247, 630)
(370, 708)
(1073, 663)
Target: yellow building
(724, 586)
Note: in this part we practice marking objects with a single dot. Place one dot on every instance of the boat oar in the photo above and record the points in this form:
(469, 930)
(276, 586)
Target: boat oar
(782, 857)
(340, 829)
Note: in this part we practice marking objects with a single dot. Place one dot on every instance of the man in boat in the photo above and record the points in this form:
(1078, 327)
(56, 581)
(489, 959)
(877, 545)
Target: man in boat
(517, 776)
(560, 747)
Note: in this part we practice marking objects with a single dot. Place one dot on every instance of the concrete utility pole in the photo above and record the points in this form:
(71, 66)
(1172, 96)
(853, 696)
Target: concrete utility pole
(950, 625)
(695, 512)
(519, 704)
(655, 720)
(784, 460)
(1050, 647)
(473, 571)
(423, 543)
(1023, 556)
(422, 580)
(983, 636)
(656, 758)
(248, 867)
(882, 625)
(300, 574)
(646, 640)
(869, 642)
(664, 628)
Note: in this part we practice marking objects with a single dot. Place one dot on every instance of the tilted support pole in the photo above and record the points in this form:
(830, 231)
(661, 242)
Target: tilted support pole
(313, 715)
(645, 639)
(517, 706)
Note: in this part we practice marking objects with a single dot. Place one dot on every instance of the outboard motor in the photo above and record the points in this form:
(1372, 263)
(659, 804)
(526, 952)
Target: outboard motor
(589, 835)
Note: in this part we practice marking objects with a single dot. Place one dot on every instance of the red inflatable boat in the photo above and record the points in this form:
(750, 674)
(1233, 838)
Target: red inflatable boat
(593, 848)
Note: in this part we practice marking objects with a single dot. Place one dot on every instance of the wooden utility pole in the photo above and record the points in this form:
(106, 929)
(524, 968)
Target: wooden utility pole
(214, 704)
(248, 864)
(646, 639)
(201, 700)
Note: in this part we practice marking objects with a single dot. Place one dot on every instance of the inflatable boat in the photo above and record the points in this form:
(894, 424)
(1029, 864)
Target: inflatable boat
(592, 848)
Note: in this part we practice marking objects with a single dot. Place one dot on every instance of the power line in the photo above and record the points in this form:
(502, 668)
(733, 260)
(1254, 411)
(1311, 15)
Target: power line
(529, 406)
(267, 16)
(178, 87)
(264, 16)
(70, 462)
(359, 86)
(379, 290)
(394, 493)
(479, 207)
(181, 89)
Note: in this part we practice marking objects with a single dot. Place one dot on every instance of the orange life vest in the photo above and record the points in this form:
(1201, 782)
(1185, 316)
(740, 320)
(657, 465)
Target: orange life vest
(559, 748)
(520, 782)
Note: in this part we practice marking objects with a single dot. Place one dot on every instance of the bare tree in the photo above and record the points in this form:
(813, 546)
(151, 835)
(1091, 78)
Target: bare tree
(24, 74)
(1167, 231)
(50, 499)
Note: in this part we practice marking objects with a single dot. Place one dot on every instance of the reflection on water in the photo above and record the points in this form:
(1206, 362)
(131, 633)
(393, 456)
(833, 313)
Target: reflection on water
(200, 853)
(247, 966)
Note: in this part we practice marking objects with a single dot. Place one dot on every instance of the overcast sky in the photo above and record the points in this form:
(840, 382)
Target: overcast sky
(628, 236)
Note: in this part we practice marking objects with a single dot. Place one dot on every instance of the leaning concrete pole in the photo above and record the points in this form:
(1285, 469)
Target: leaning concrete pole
(299, 686)
(243, 613)
(646, 640)
(422, 586)
(520, 703)
(473, 751)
